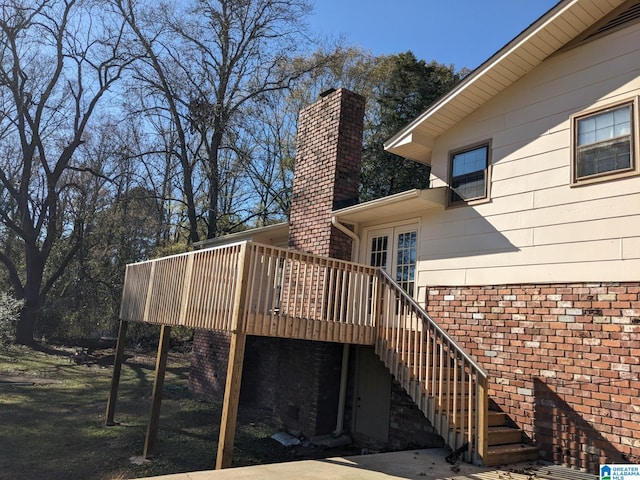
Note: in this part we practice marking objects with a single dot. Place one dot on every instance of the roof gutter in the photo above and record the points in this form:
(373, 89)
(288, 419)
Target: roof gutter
(350, 233)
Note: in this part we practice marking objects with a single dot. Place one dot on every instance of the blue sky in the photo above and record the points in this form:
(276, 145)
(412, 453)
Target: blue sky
(462, 33)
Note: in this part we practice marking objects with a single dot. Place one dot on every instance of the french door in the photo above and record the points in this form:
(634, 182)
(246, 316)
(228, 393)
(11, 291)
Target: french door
(395, 250)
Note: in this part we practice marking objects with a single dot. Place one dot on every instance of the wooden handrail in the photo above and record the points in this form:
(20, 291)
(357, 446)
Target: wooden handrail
(448, 385)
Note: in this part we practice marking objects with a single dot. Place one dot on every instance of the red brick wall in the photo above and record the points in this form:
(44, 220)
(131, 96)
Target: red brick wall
(408, 427)
(208, 371)
(564, 362)
(261, 373)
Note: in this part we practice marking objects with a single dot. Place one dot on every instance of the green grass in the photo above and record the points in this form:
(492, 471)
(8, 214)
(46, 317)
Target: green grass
(56, 430)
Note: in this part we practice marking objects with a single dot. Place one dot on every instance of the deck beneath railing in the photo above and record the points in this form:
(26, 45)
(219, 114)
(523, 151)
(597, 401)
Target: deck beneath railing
(282, 326)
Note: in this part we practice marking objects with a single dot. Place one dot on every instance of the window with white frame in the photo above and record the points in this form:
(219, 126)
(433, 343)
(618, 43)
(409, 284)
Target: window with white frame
(603, 143)
(469, 174)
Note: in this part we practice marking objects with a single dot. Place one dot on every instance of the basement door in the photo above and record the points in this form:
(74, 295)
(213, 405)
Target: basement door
(395, 250)
(373, 398)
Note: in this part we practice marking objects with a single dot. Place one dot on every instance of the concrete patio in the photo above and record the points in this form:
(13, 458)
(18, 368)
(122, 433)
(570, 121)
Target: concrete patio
(408, 465)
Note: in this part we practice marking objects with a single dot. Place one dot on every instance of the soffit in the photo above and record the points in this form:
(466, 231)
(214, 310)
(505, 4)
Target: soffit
(564, 22)
(409, 203)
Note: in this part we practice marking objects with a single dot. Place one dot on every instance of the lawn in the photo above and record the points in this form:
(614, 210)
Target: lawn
(52, 413)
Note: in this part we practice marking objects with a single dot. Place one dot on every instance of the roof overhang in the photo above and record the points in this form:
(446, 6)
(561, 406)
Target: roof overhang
(409, 203)
(563, 23)
(271, 235)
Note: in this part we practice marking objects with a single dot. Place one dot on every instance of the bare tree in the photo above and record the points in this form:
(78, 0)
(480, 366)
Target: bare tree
(213, 61)
(271, 138)
(58, 60)
(161, 93)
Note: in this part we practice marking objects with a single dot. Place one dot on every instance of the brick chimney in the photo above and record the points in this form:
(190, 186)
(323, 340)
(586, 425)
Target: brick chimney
(299, 380)
(327, 172)
(327, 176)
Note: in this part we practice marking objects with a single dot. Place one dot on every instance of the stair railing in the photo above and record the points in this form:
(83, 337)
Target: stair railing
(444, 381)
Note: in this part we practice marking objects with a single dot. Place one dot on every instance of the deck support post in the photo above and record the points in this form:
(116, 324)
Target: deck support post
(158, 384)
(115, 377)
(231, 398)
(482, 414)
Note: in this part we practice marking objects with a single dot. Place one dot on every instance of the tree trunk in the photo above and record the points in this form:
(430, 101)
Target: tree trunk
(214, 180)
(33, 298)
(27, 323)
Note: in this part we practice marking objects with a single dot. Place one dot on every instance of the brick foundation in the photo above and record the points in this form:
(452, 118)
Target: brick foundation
(564, 362)
(261, 373)
(208, 371)
(408, 427)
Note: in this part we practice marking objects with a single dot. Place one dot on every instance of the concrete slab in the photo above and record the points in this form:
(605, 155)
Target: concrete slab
(409, 465)
(417, 464)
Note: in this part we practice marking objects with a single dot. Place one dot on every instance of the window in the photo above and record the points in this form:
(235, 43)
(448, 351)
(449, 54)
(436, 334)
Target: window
(603, 143)
(406, 261)
(378, 256)
(469, 174)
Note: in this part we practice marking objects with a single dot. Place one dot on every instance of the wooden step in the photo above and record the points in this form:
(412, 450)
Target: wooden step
(495, 419)
(512, 453)
(505, 444)
(448, 401)
(502, 435)
(498, 435)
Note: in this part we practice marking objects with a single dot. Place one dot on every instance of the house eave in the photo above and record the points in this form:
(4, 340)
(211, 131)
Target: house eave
(277, 230)
(408, 203)
(560, 25)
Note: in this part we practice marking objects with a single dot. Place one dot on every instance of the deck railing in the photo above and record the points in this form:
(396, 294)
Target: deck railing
(195, 289)
(255, 289)
(296, 295)
(269, 291)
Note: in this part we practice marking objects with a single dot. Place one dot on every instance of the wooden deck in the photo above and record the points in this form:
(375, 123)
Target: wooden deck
(254, 289)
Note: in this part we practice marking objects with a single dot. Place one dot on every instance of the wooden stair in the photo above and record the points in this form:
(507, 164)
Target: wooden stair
(505, 443)
(446, 384)
(511, 453)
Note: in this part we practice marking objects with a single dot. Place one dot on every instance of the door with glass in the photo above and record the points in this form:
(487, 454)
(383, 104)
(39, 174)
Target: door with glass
(395, 250)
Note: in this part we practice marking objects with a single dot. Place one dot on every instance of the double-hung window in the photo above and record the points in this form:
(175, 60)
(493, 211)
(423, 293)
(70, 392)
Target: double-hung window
(469, 174)
(603, 143)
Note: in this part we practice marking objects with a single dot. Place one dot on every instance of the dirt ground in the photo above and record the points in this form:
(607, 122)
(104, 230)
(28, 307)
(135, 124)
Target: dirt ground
(52, 415)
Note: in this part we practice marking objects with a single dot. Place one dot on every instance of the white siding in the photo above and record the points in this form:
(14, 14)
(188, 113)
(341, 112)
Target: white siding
(537, 228)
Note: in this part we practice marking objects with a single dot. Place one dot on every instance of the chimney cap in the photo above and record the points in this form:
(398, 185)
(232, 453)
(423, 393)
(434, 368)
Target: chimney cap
(327, 92)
